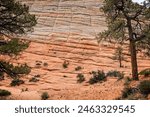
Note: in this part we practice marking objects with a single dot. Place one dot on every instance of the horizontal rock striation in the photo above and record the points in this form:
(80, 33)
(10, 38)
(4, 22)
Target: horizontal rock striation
(66, 31)
(66, 19)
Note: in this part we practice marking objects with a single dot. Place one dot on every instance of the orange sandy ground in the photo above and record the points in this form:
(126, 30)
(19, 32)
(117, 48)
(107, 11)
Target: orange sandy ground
(62, 83)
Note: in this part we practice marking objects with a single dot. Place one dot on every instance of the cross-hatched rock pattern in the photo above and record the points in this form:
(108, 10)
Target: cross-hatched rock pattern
(66, 31)
(66, 19)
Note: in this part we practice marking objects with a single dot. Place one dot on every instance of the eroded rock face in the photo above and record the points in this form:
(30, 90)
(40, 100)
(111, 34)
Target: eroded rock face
(66, 19)
(66, 31)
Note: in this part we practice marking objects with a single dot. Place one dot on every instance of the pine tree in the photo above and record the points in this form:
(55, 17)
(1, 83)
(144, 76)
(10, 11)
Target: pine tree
(118, 55)
(15, 20)
(128, 21)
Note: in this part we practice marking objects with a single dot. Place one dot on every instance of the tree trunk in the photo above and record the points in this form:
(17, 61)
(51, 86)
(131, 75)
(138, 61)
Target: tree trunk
(120, 64)
(120, 61)
(133, 60)
(132, 51)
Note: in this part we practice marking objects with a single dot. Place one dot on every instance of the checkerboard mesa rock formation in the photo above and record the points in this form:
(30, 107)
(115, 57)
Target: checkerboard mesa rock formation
(66, 19)
(66, 31)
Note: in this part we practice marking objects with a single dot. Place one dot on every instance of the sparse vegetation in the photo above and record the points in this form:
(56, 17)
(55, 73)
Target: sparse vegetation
(13, 47)
(14, 71)
(44, 96)
(65, 64)
(34, 79)
(22, 69)
(78, 68)
(16, 82)
(16, 20)
(45, 64)
(135, 93)
(64, 76)
(126, 92)
(4, 92)
(131, 93)
(144, 87)
(97, 76)
(23, 90)
(118, 55)
(128, 21)
(80, 78)
(115, 73)
(145, 72)
(38, 64)
(124, 24)
(38, 76)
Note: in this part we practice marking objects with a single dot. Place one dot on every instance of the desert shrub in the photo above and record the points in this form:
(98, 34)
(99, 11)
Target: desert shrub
(16, 82)
(115, 73)
(78, 68)
(4, 92)
(44, 96)
(22, 69)
(97, 77)
(34, 79)
(129, 93)
(38, 64)
(14, 71)
(118, 55)
(145, 72)
(45, 64)
(14, 46)
(65, 64)
(26, 89)
(38, 61)
(126, 92)
(144, 87)
(37, 76)
(23, 90)
(64, 76)
(80, 78)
